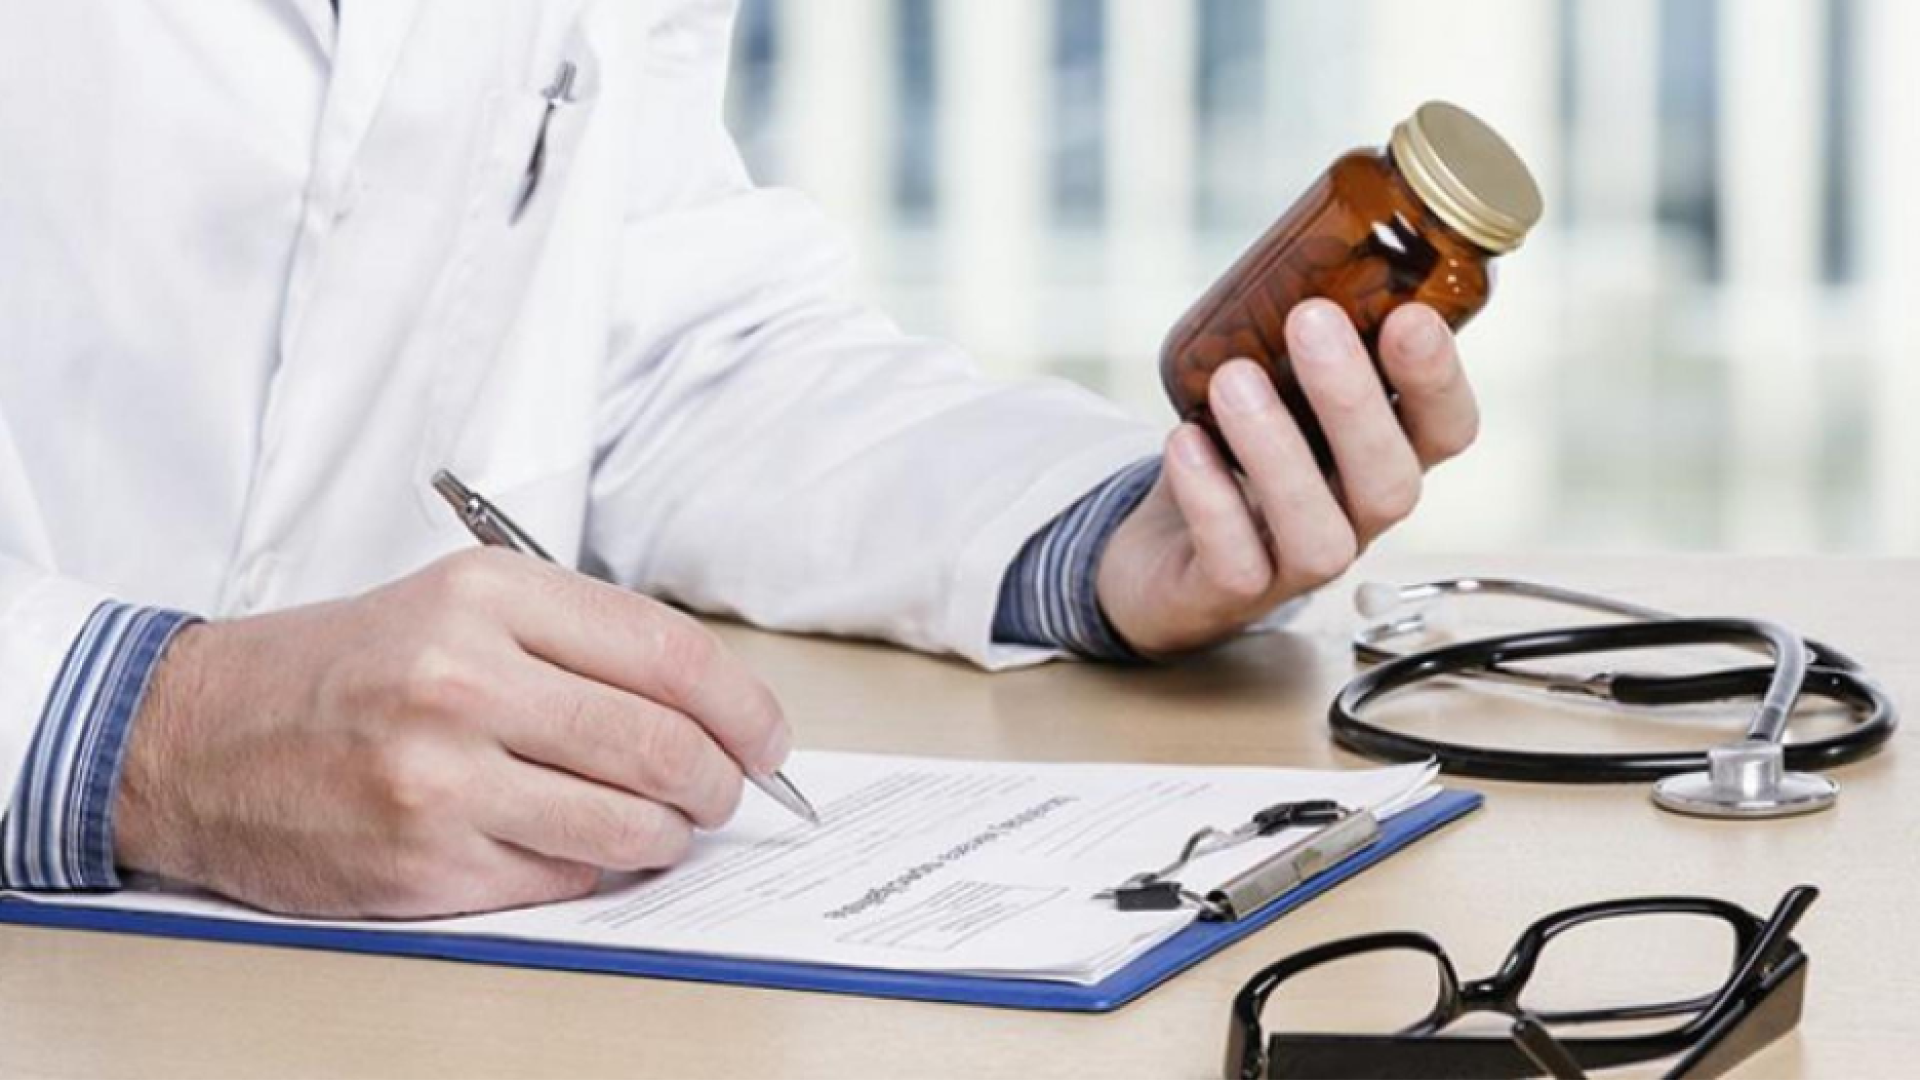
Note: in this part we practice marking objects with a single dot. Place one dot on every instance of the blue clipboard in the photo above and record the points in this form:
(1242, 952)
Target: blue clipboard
(1183, 950)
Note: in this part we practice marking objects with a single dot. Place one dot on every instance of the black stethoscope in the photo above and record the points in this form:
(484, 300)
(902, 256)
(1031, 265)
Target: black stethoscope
(1761, 775)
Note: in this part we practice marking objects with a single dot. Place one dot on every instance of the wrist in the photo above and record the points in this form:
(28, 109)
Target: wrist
(1117, 590)
(148, 827)
(1146, 586)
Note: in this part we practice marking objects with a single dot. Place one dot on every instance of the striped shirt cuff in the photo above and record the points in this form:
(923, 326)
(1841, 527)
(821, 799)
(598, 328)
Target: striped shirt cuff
(58, 832)
(1048, 597)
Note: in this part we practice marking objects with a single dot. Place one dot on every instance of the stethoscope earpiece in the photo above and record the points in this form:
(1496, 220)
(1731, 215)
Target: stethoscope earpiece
(1376, 599)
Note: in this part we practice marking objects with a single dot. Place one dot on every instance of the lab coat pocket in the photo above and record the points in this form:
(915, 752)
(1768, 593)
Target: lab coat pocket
(536, 131)
(521, 185)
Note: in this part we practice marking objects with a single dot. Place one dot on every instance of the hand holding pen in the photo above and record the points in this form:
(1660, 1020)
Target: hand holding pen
(488, 731)
(493, 528)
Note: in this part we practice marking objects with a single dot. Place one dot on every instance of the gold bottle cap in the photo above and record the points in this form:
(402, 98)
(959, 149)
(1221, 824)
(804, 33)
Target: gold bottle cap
(1467, 175)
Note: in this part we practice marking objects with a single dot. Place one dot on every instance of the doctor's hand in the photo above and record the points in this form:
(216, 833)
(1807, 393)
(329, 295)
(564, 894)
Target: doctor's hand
(490, 732)
(1207, 552)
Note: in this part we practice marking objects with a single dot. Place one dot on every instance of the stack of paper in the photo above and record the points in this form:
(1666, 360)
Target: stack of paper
(959, 867)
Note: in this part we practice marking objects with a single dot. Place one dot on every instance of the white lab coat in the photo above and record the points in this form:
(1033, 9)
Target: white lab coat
(655, 370)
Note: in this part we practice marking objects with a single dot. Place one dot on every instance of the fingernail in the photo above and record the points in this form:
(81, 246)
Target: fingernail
(1321, 329)
(1427, 336)
(1240, 388)
(777, 749)
(1190, 446)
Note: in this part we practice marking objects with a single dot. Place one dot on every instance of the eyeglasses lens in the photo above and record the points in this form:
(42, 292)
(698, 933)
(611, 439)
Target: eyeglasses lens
(1631, 961)
(1369, 993)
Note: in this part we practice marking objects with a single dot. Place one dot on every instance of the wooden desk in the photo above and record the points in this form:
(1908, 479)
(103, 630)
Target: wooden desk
(97, 1005)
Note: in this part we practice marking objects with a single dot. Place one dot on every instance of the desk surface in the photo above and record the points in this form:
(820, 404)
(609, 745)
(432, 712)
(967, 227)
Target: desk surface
(107, 1005)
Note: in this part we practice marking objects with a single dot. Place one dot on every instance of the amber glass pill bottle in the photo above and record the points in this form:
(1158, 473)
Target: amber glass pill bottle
(1421, 219)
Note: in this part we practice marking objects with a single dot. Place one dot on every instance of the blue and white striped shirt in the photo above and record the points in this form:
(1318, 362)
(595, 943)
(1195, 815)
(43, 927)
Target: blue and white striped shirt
(1048, 596)
(58, 830)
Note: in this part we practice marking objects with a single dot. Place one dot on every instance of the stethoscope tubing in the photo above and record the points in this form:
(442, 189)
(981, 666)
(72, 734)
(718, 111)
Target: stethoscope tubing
(1829, 674)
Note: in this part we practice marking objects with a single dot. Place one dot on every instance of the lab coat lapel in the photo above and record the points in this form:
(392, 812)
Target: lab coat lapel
(372, 35)
(322, 23)
(368, 43)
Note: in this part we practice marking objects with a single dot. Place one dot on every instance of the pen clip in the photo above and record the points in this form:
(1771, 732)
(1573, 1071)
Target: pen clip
(487, 522)
(558, 93)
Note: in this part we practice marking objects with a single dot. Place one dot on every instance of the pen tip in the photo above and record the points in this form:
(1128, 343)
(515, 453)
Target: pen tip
(777, 785)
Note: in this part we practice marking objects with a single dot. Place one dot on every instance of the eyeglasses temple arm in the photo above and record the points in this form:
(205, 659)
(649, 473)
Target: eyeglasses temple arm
(1750, 1028)
(1544, 1050)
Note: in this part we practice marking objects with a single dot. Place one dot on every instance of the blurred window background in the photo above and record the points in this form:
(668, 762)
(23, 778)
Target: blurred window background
(1711, 343)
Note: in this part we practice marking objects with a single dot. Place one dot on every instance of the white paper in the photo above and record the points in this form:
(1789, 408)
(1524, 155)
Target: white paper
(919, 864)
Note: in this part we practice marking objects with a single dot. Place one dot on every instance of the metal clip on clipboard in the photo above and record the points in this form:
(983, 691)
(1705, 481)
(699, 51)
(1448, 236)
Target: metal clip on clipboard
(1341, 832)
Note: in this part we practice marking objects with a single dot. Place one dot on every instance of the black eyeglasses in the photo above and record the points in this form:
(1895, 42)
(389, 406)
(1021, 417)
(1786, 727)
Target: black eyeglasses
(1758, 1001)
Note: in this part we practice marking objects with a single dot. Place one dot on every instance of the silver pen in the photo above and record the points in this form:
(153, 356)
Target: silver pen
(558, 94)
(1321, 849)
(495, 529)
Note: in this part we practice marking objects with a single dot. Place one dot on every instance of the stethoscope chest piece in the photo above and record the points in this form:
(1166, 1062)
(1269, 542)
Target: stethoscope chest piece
(1746, 780)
